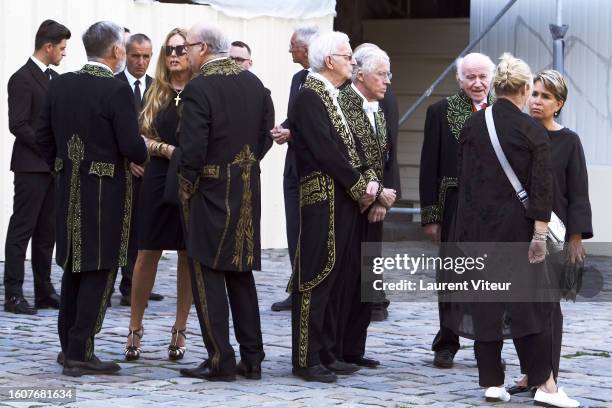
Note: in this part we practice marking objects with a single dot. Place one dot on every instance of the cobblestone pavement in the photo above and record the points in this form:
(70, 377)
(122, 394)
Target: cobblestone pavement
(406, 378)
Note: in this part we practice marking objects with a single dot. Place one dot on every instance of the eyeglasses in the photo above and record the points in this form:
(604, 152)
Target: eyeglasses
(293, 48)
(348, 57)
(240, 60)
(384, 75)
(192, 44)
(180, 50)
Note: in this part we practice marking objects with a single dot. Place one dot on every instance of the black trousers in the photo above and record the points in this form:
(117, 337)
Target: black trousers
(445, 339)
(355, 314)
(127, 271)
(539, 355)
(82, 309)
(33, 218)
(316, 316)
(291, 191)
(211, 300)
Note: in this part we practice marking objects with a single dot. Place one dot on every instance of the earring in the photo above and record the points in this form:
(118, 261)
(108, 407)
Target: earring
(556, 114)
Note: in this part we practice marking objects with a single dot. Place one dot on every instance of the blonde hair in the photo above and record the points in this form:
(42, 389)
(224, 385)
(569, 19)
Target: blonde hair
(161, 90)
(511, 75)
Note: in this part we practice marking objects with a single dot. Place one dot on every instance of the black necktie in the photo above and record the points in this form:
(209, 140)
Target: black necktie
(48, 73)
(137, 96)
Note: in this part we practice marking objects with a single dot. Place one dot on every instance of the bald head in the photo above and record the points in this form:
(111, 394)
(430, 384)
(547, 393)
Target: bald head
(208, 42)
(474, 74)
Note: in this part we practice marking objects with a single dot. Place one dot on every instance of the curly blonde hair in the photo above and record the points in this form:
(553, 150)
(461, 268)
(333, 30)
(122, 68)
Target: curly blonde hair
(161, 90)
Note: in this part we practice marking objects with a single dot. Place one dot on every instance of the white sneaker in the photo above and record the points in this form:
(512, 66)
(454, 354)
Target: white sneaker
(494, 394)
(557, 399)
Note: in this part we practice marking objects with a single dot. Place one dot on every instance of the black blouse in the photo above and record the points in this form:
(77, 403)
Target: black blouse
(571, 193)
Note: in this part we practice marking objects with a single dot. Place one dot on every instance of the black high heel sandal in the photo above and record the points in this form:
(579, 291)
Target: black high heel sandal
(132, 352)
(176, 352)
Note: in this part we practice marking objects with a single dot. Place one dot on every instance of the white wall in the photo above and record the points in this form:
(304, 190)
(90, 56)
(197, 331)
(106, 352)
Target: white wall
(588, 67)
(268, 38)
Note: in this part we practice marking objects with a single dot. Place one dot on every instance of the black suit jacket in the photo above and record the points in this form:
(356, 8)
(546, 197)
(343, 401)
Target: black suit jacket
(296, 82)
(224, 133)
(27, 89)
(88, 130)
(148, 80)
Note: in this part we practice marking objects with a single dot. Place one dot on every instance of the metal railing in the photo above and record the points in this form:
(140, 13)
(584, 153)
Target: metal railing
(432, 87)
(450, 67)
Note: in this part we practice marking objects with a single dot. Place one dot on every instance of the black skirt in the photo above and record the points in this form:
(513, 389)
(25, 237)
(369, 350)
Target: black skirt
(159, 223)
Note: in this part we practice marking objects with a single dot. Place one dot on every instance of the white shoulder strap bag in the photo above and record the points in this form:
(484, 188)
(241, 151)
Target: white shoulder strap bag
(556, 228)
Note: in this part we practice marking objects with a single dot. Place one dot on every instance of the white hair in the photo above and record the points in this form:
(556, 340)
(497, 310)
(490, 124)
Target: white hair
(217, 41)
(368, 59)
(472, 57)
(101, 37)
(323, 45)
(304, 34)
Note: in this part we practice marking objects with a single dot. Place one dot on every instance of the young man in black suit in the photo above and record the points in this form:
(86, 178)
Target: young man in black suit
(139, 50)
(88, 132)
(33, 203)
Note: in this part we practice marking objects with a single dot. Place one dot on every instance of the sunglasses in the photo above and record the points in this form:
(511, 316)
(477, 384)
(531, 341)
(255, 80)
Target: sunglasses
(180, 50)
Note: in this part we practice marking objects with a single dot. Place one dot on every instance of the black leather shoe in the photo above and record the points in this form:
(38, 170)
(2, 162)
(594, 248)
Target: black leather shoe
(342, 368)
(316, 373)
(156, 297)
(443, 359)
(94, 366)
(204, 372)
(60, 358)
(52, 301)
(282, 305)
(126, 300)
(362, 361)
(18, 305)
(249, 372)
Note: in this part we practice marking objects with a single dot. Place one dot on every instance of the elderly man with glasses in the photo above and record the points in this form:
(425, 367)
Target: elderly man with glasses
(366, 120)
(333, 189)
(224, 133)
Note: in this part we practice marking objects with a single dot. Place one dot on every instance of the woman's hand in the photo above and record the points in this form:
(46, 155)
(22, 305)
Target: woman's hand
(575, 249)
(537, 251)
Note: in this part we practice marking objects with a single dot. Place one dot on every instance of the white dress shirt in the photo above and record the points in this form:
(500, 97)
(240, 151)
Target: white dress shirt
(132, 79)
(40, 65)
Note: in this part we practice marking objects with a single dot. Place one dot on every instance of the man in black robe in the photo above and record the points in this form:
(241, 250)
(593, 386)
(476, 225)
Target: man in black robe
(88, 132)
(332, 191)
(298, 47)
(224, 132)
(34, 200)
(438, 171)
(366, 120)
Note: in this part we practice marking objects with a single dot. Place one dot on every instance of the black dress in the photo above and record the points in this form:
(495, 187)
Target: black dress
(489, 212)
(159, 223)
(571, 197)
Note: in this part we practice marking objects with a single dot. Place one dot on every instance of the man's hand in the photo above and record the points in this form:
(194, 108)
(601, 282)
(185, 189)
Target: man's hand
(377, 213)
(575, 249)
(365, 201)
(432, 231)
(280, 135)
(136, 170)
(387, 197)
